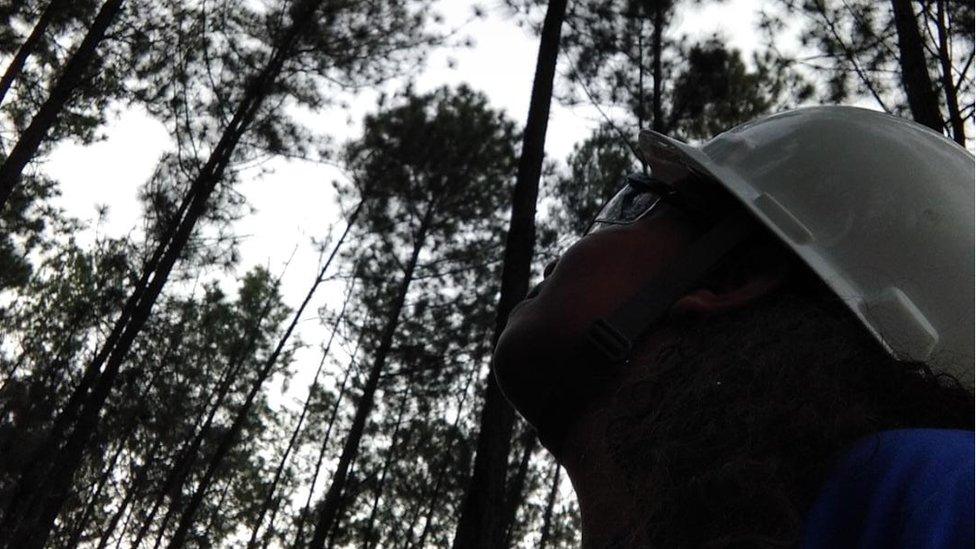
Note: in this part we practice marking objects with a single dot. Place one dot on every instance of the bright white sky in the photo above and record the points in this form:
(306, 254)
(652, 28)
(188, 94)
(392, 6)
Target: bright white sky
(295, 203)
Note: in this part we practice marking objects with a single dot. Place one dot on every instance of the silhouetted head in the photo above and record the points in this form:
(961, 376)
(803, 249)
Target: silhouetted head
(719, 426)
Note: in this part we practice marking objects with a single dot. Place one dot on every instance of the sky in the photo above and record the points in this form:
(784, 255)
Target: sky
(295, 202)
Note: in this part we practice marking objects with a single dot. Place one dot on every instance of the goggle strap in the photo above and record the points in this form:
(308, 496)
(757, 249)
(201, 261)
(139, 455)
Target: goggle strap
(613, 337)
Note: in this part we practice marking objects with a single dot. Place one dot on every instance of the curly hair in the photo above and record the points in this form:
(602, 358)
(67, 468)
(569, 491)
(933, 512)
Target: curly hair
(729, 431)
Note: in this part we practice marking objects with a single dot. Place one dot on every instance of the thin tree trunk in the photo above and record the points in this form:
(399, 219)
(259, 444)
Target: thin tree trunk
(97, 492)
(63, 419)
(27, 48)
(514, 497)
(74, 71)
(640, 74)
(441, 470)
(657, 124)
(344, 502)
(370, 536)
(952, 101)
(125, 526)
(298, 425)
(480, 524)
(129, 496)
(187, 455)
(173, 344)
(47, 452)
(215, 513)
(330, 503)
(922, 99)
(550, 503)
(324, 446)
(34, 522)
(230, 437)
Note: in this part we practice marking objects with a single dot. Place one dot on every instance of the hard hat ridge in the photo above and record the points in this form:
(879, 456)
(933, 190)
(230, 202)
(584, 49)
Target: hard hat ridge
(879, 207)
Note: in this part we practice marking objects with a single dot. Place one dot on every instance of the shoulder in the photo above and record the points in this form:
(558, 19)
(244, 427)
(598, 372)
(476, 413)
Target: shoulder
(904, 488)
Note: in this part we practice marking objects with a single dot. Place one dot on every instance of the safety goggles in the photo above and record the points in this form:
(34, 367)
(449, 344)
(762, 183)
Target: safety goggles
(638, 196)
(642, 196)
(673, 181)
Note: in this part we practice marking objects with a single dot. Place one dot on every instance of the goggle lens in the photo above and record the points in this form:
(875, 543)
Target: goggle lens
(630, 203)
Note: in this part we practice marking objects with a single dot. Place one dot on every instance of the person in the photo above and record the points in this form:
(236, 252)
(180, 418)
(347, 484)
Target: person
(767, 341)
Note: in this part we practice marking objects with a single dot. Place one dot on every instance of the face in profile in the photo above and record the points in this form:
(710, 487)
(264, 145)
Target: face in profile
(542, 361)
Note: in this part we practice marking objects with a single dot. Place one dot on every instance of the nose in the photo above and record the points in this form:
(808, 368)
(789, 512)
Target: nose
(549, 267)
(545, 273)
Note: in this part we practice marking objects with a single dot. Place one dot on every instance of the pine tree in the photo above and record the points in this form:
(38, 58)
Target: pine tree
(74, 71)
(433, 186)
(230, 437)
(160, 264)
(269, 498)
(481, 523)
(911, 59)
(550, 503)
(622, 58)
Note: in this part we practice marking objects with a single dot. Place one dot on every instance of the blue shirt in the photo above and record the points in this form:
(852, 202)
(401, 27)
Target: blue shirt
(906, 488)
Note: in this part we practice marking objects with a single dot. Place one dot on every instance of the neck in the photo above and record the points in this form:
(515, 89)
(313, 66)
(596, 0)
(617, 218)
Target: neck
(612, 516)
(605, 500)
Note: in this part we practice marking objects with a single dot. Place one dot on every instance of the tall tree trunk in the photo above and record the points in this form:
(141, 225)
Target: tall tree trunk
(47, 451)
(550, 503)
(922, 98)
(27, 48)
(344, 501)
(391, 455)
(130, 494)
(657, 48)
(31, 525)
(97, 492)
(174, 343)
(230, 437)
(513, 499)
(948, 86)
(187, 455)
(269, 497)
(480, 524)
(330, 504)
(221, 499)
(325, 443)
(640, 74)
(74, 71)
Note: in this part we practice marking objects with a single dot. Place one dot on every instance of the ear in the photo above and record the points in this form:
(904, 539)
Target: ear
(705, 302)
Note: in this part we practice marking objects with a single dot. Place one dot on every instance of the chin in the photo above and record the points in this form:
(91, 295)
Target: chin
(544, 373)
(523, 367)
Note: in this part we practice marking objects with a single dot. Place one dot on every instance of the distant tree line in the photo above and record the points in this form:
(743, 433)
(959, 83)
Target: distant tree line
(140, 375)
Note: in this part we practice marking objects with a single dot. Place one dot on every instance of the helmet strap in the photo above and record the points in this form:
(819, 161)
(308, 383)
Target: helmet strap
(612, 337)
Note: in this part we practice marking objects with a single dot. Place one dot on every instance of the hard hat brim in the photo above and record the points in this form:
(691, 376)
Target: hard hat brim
(653, 146)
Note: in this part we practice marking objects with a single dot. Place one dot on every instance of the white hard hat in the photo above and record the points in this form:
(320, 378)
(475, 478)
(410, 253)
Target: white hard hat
(881, 208)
